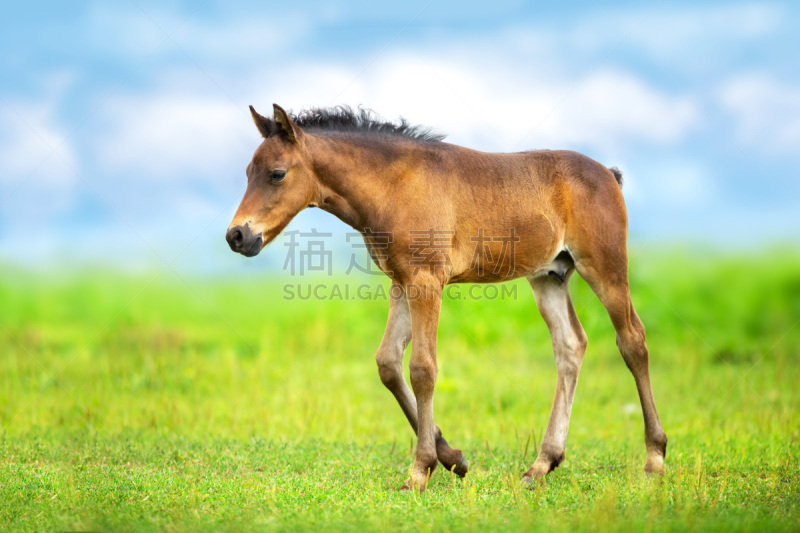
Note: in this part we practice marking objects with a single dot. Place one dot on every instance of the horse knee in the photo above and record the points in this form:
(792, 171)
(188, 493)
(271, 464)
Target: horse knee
(576, 345)
(389, 376)
(569, 352)
(390, 369)
(633, 346)
(423, 376)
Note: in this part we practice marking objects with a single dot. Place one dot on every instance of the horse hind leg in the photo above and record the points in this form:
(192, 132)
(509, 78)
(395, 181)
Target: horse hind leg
(608, 278)
(569, 345)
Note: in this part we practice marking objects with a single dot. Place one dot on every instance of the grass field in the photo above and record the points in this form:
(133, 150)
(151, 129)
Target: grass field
(166, 402)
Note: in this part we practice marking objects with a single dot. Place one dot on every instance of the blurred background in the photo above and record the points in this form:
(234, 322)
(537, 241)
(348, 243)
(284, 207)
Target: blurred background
(144, 364)
(124, 128)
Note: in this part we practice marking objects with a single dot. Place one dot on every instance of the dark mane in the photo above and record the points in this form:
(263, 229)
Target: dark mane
(345, 119)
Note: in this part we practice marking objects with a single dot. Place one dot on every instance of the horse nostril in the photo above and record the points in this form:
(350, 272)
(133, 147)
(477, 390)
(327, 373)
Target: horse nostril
(235, 237)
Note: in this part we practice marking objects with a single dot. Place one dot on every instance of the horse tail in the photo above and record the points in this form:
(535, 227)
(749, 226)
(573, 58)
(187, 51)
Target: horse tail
(617, 175)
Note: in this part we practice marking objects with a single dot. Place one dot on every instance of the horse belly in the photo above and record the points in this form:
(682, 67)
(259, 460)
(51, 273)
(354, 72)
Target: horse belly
(503, 253)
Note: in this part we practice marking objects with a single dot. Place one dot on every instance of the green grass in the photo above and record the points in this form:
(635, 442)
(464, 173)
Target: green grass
(161, 402)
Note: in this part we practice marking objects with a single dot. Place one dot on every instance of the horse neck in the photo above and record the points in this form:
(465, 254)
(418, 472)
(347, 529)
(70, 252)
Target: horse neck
(354, 176)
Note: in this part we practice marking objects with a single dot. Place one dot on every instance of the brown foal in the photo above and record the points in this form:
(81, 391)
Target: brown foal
(486, 217)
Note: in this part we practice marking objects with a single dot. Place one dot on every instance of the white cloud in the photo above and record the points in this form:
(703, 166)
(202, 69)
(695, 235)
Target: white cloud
(199, 136)
(180, 136)
(767, 113)
(175, 136)
(32, 145)
(169, 148)
(607, 110)
(36, 182)
(489, 94)
(233, 38)
(500, 107)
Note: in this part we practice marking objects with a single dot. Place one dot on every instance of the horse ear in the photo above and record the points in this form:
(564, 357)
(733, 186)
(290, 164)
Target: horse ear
(265, 126)
(285, 126)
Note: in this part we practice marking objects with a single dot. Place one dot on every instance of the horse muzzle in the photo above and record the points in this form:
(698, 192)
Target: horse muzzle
(241, 240)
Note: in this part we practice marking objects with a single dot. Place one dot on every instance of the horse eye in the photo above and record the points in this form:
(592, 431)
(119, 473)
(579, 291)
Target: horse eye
(277, 176)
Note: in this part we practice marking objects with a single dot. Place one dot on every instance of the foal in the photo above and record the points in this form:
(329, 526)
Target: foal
(433, 213)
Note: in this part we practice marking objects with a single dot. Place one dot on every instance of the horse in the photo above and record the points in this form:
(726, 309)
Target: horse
(433, 213)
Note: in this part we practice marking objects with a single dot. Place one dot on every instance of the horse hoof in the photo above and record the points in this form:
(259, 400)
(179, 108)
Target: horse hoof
(461, 468)
(654, 464)
(531, 483)
(409, 485)
(406, 488)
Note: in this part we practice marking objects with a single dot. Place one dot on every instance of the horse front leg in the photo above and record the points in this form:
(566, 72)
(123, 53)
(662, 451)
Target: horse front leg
(390, 368)
(424, 308)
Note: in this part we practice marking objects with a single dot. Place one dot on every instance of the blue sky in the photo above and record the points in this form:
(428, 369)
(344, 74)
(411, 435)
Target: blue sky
(124, 131)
